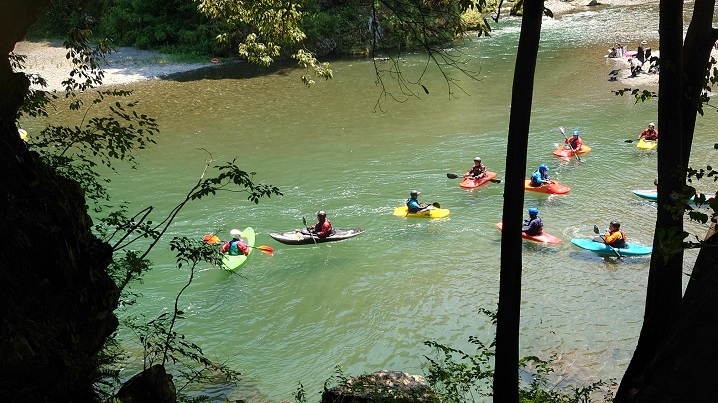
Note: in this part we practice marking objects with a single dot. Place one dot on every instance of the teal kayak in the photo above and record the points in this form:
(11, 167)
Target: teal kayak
(650, 194)
(234, 262)
(631, 249)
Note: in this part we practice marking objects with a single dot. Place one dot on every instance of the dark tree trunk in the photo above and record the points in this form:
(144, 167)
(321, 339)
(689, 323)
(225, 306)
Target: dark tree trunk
(509, 312)
(681, 83)
(699, 41)
(56, 299)
(684, 368)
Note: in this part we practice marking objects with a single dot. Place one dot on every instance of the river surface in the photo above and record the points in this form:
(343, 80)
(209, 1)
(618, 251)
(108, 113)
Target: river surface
(369, 303)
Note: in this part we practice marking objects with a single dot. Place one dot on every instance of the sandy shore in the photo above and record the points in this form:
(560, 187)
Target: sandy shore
(129, 65)
(125, 65)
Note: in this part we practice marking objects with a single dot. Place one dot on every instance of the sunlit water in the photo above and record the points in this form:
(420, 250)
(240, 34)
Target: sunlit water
(369, 303)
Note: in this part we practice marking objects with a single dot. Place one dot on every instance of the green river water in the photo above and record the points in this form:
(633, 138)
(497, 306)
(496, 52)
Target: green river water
(369, 303)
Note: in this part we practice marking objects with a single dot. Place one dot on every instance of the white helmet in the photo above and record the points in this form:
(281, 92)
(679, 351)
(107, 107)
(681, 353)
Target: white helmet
(235, 233)
(651, 125)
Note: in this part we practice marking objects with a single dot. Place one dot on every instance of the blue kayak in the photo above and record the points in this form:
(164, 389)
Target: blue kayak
(631, 249)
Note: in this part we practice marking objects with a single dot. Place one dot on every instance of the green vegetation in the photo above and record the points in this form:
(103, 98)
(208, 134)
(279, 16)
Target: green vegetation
(111, 131)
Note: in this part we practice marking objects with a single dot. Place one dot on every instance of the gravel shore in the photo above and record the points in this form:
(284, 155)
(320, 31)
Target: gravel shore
(129, 65)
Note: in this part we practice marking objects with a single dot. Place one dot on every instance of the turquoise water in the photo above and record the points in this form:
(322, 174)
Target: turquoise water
(369, 303)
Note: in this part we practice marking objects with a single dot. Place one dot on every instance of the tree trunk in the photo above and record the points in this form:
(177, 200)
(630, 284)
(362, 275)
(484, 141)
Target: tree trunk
(509, 311)
(56, 299)
(680, 86)
(684, 368)
(699, 41)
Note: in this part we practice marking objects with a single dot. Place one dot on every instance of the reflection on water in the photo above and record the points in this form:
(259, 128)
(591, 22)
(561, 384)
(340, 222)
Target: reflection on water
(368, 303)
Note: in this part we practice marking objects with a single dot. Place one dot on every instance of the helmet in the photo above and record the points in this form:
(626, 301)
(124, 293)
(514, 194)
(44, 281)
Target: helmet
(477, 159)
(235, 233)
(575, 132)
(543, 167)
(321, 213)
(415, 193)
(533, 211)
(616, 224)
(651, 125)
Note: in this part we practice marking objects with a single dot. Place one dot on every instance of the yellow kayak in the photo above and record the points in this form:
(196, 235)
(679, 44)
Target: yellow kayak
(432, 213)
(646, 144)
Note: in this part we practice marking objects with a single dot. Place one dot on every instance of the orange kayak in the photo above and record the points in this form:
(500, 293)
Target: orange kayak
(566, 152)
(551, 188)
(469, 183)
(545, 237)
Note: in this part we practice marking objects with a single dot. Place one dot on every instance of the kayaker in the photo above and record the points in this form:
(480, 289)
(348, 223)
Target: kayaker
(323, 227)
(574, 141)
(650, 133)
(540, 176)
(477, 171)
(413, 205)
(533, 225)
(237, 245)
(614, 236)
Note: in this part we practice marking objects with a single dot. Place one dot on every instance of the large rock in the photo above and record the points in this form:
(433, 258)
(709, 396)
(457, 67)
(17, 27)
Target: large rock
(382, 386)
(153, 385)
(56, 298)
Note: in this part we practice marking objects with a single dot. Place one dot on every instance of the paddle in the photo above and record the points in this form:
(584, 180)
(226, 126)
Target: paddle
(304, 220)
(454, 176)
(569, 144)
(595, 230)
(213, 239)
(630, 140)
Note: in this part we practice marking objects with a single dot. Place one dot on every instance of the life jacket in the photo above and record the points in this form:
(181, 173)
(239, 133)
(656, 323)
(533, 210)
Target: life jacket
(234, 249)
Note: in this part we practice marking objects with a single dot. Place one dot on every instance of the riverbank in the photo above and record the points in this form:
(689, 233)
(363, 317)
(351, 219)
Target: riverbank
(123, 66)
(129, 65)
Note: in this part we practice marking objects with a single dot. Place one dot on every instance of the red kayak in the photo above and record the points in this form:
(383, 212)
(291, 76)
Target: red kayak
(545, 237)
(551, 188)
(469, 183)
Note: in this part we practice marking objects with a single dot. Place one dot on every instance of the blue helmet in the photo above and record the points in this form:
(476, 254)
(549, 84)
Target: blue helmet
(543, 167)
(575, 132)
(533, 211)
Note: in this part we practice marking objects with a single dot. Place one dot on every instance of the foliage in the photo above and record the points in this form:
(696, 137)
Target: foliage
(103, 138)
(457, 376)
(262, 29)
(171, 26)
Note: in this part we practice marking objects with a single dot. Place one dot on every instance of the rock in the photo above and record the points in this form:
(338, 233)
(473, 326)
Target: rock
(153, 385)
(394, 386)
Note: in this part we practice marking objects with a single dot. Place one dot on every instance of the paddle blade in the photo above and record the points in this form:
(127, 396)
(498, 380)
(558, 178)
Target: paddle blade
(595, 229)
(211, 239)
(266, 249)
(495, 180)
(628, 141)
(452, 176)
(435, 204)
(304, 220)
(563, 131)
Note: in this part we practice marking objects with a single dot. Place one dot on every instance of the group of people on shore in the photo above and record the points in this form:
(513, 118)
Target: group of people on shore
(637, 60)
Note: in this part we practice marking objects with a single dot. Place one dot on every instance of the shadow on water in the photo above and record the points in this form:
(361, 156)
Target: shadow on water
(231, 70)
(241, 69)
